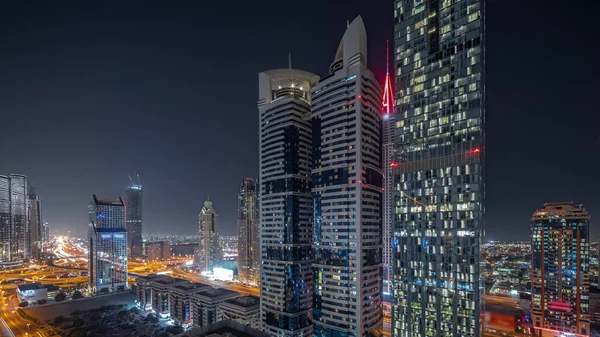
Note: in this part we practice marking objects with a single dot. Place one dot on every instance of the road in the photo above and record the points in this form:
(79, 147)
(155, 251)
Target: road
(12, 323)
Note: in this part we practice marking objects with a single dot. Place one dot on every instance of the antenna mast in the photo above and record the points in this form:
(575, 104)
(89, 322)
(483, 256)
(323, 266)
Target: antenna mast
(387, 105)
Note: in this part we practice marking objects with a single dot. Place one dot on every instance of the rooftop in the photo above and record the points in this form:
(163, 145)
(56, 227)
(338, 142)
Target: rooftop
(217, 292)
(105, 202)
(225, 329)
(191, 286)
(30, 286)
(244, 301)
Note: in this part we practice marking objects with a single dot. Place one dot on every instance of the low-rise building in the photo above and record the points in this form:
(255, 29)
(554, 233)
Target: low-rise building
(225, 329)
(205, 305)
(160, 294)
(143, 290)
(244, 310)
(180, 308)
(31, 292)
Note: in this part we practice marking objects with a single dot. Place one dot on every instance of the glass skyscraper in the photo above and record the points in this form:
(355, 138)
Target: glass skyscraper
(560, 246)
(438, 170)
(248, 233)
(35, 224)
(107, 239)
(209, 251)
(5, 219)
(286, 206)
(347, 190)
(134, 197)
(14, 218)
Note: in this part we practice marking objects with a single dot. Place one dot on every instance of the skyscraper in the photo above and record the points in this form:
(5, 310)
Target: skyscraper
(35, 224)
(560, 258)
(19, 238)
(134, 197)
(209, 252)
(5, 218)
(248, 233)
(285, 154)
(438, 172)
(107, 238)
(347, 190)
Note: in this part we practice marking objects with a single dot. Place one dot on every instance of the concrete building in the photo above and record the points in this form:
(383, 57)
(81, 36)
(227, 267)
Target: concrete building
(248, 233)
(285, 158)
(180, 301)
(347, 191)
(143, 290)
(134, 197)
(438, 173)
(244, 310)
(560, 246)
(158, 251)
(205, 304)
(33, 292)
(209, 252)
(160, 288)
(225, 329)
(107, 239)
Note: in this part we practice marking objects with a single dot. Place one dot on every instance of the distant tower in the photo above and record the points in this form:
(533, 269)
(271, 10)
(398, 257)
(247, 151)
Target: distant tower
(35, 224)
(209, 252)
(248, 233)
(388, 128)
(19, 229)
(5, 218)
(134, 199)
(107, 238)
(560, 246)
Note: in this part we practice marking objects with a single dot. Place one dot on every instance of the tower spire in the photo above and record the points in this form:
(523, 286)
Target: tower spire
(388, 93)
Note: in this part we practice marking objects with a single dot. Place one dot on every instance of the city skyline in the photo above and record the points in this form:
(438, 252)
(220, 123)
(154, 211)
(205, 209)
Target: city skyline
(529, 142)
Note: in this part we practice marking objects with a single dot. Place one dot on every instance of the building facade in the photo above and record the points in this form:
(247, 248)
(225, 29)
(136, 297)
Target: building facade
(209, 252)
(248, 233)
(36, 230)
(107, 238)
(438, 171)
(5, 219)
(560, 246)
(347, 191)
(134, 197)
(180, 301)
(244, 310)
(158, 251)
(205, 305)
(161, 287)
(14, 218)
(285, 154)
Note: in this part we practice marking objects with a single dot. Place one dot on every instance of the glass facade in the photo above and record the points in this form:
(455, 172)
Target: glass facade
(209, 251)
(285, 201)
(248, 233)
(5, 219)
(438, 170)
(560, 245)
(107, 237)
(347, 190)
(134, 196)
(19, 238)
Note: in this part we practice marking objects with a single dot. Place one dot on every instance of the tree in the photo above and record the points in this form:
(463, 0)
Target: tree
(78, 323)
(58, 320)
(42, 302)
(24, 304)
(76, 295)
(61, 296)
(174, 329)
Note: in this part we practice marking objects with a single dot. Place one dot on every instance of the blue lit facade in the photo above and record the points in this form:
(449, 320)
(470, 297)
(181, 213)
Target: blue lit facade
(107, 237)
(439, 168)
(285, 201)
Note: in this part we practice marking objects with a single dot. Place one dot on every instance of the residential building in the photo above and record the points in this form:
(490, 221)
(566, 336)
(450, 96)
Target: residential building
(180, 301)
(347, 189)
(134, 197)
(205, 304)
(160, 294)
(209, 252)
(158, 251)
(107, 238)
(438, 173)
(248, 233)
(285, 155)
(143, 290)
(244, 310)
(560, 248)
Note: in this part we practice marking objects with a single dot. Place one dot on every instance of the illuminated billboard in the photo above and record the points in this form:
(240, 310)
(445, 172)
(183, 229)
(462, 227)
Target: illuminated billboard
(499, 321)
(223, 274)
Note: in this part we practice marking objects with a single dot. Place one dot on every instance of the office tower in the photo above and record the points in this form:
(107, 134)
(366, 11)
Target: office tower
(209, 252)
(35, 224)
(285, 153)
(134, 197)
(19, 238)
(560, 258)
(5, 218)
(387, 152)
(438, 172)
(158, 251)
(248, 233)
(46, 233)
(244, 310)
(205, 305)
(347, 191)
(180, 301)
(107, 237)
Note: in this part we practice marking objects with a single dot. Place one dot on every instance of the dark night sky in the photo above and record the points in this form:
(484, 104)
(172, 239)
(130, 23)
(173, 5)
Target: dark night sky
(91, 92)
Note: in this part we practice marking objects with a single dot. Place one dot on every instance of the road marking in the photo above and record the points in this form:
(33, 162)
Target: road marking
(6, 327)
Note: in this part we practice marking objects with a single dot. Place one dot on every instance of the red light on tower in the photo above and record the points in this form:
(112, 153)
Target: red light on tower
(387, 104)
(394, 164)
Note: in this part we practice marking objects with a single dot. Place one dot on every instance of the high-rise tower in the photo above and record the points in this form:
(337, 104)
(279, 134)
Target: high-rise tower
(134, 197)
(438, 173)
(248, 233)
(209, 252)
(285, 155)
(560, 246)
(107, 238)
(347, 190)
(19, 237)
(5, 218)
(35, 224)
